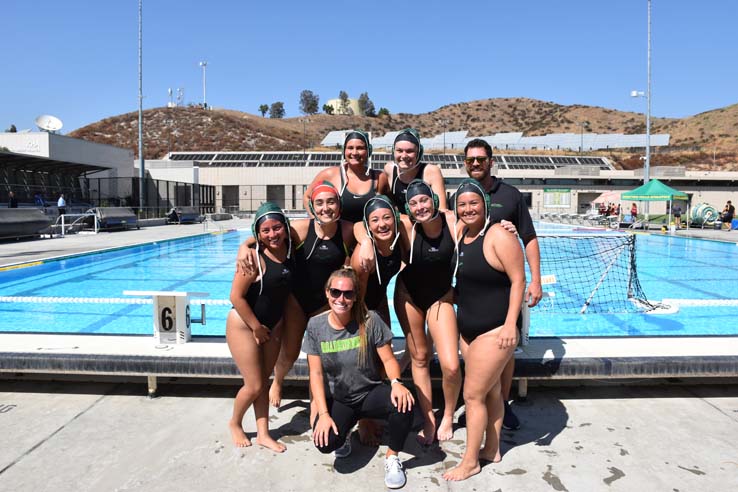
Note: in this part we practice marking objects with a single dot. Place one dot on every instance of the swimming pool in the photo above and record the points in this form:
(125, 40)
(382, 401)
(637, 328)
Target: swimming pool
(669, 267)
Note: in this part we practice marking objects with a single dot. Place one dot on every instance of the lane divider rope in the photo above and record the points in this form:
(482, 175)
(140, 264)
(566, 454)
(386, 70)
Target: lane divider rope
(102, 300)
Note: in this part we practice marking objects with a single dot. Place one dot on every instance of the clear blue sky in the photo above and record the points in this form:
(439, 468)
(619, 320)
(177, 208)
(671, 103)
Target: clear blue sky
(78, 59)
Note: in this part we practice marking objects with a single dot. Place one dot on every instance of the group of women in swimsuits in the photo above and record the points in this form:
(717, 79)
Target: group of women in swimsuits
(329, 274)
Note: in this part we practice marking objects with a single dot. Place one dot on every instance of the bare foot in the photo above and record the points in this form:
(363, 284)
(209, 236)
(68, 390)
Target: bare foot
(446, 429)
(239, 436)
(427, 436)
(275, 394)
(490, 455)
(462, 472)
(269, 443)
(369, 432)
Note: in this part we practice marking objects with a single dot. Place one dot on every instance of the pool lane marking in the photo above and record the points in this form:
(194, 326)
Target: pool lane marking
(22, 265)
(103, 300)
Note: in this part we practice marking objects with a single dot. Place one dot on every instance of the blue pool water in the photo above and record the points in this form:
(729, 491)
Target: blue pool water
(668, 267)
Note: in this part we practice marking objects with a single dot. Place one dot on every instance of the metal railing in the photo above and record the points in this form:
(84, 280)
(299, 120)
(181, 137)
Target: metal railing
(77, 221)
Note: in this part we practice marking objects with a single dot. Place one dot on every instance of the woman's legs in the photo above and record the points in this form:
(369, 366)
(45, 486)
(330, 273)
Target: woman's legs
(484, 361)
(412, 321)
(495, 412)
(269, 351)
(295, 322)
(344, 417)
(442, 327)
(378, 405)
(370, 431)
(247, 356)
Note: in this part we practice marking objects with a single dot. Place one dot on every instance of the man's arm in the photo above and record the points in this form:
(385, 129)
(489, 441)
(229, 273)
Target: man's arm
(534, 292)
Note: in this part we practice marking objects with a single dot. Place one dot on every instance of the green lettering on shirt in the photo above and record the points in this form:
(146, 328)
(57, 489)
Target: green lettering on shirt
(340, 345)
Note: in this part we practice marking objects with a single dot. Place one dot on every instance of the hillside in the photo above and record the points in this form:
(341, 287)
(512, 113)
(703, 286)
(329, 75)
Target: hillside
(706, 140)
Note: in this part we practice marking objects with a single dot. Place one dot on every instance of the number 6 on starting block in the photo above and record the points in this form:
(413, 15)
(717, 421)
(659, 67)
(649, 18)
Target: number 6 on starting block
(172, 318)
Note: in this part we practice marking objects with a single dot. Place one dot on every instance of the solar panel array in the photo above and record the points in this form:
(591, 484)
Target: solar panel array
(385, 141)
(516, 140)
(574, 141)
(550, 162)
(378, 160)
(334, 138)
(446, 140)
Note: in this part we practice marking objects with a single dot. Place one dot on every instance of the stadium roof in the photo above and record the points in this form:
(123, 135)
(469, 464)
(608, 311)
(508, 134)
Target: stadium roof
(11, 161)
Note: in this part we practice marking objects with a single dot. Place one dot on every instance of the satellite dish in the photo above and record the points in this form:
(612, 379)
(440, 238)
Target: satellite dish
(48, 123)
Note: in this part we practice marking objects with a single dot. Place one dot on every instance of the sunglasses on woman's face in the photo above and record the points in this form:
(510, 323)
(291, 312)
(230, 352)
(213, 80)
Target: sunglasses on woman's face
(336, 293)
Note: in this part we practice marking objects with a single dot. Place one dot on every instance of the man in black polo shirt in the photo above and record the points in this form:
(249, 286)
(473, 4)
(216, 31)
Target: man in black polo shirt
(506, 203)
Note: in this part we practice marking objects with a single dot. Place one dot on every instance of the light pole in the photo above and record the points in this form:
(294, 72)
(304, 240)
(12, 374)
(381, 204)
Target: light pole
(304, 121)
(204, 65)
(444, 122)
(647, 162)
(582, 124)
(141, 170)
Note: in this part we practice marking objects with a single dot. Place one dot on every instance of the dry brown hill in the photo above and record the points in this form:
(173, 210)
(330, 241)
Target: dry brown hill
(705, 140)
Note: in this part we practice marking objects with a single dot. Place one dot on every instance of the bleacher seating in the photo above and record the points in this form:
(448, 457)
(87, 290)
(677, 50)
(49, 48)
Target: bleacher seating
(184, 215)
(113, 217)
(22, 222)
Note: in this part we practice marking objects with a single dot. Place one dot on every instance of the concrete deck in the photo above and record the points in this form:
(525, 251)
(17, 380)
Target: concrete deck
(14, 252)
(108, 436)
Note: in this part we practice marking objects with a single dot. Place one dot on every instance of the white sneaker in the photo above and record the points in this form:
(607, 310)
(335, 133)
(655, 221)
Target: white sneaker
(345, 450)
(394, 475)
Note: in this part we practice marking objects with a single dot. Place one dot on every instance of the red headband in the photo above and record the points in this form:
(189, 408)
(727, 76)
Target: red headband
(322, 187)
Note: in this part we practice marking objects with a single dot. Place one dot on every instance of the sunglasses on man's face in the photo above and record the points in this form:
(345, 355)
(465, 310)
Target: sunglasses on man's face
(470, 160)
(336, 293)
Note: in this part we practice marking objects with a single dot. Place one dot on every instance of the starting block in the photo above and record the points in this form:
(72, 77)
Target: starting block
(172, 317)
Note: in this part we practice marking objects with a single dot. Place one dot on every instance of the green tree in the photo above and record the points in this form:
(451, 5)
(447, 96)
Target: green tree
(276, 110)
(383, 112)
(344, 104)
(263, 109)
(366, 106)
(309, 102)
(328, 109)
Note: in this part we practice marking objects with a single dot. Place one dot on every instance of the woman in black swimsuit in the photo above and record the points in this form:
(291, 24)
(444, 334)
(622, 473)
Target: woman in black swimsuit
(407, 165)
(423, 293)
(382, 229)
(353, 178)
(254, 324)
(489, 292)
(323, 246)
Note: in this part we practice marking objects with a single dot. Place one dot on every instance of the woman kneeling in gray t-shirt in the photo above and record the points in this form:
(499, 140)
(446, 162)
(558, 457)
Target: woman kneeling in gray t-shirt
(344, 347)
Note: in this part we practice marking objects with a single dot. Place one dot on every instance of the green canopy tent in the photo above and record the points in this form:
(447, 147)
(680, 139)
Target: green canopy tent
(656, 191)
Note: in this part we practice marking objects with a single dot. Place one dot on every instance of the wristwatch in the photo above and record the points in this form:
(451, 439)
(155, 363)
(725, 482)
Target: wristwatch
(395, 380)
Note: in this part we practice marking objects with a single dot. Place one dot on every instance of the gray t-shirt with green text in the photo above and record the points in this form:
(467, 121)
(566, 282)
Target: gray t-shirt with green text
(348, 381)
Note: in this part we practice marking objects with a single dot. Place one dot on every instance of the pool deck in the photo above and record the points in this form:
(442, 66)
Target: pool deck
(71, 421)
